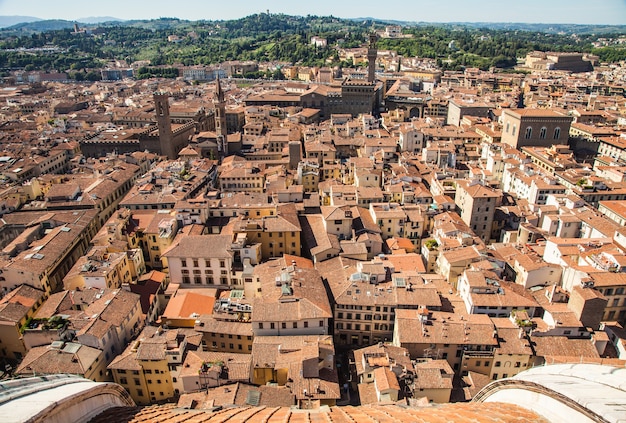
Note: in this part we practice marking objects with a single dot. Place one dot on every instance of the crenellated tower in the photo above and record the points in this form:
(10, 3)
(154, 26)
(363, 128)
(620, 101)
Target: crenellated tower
(166, 136)
(372, 54)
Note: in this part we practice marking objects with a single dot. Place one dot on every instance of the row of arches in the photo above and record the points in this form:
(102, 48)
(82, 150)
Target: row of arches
(542, 133)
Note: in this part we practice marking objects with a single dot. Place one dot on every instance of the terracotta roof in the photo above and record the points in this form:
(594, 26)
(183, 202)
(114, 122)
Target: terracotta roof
(17, 303)
(184, 304)
(473, 383)
(398, 355)
(509, 340)
(238, 394)
(307, 291)
(315, 236)
(201, 246)
(433, 374)
(475, 329)
(152, 344)
(477, 412)
(385, 379)
(301, 357)
(72, 358)
(535, 113)
(238, 364)
(551, 347)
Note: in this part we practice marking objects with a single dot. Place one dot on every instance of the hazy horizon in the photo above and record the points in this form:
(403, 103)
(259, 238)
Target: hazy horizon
(605, 12)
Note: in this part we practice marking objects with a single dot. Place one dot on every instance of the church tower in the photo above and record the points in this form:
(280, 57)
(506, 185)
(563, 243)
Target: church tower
(166, 137)
(220, 119)
(372, 54)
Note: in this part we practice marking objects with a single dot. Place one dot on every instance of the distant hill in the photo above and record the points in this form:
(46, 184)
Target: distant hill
(41, 26)
(99, 19)
(14, 20)
(370, 20)
(158, 24)
(23, 28)
(283, 38)
(548, 28)
(25, 24)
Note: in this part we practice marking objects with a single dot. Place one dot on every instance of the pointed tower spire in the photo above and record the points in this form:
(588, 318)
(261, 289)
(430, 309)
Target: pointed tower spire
(219, 94)
(220, 119)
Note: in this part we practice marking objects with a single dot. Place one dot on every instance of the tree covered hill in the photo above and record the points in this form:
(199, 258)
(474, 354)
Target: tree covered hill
(276, 37)
(37, 26)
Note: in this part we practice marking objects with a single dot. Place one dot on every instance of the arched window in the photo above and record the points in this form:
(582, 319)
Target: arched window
(507, 127)
(529, 132)
(514, 130)
(542, 133)
(557, 133)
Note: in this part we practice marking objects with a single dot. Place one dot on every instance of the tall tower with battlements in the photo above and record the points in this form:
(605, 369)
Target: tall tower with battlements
(372, 53)
(166, 137)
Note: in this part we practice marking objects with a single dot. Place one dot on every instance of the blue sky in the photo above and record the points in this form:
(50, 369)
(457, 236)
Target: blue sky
(534, 11)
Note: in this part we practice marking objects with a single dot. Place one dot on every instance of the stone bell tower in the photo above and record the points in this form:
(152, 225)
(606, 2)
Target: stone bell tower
(166, 136)
(372, 53)
(220, 119)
